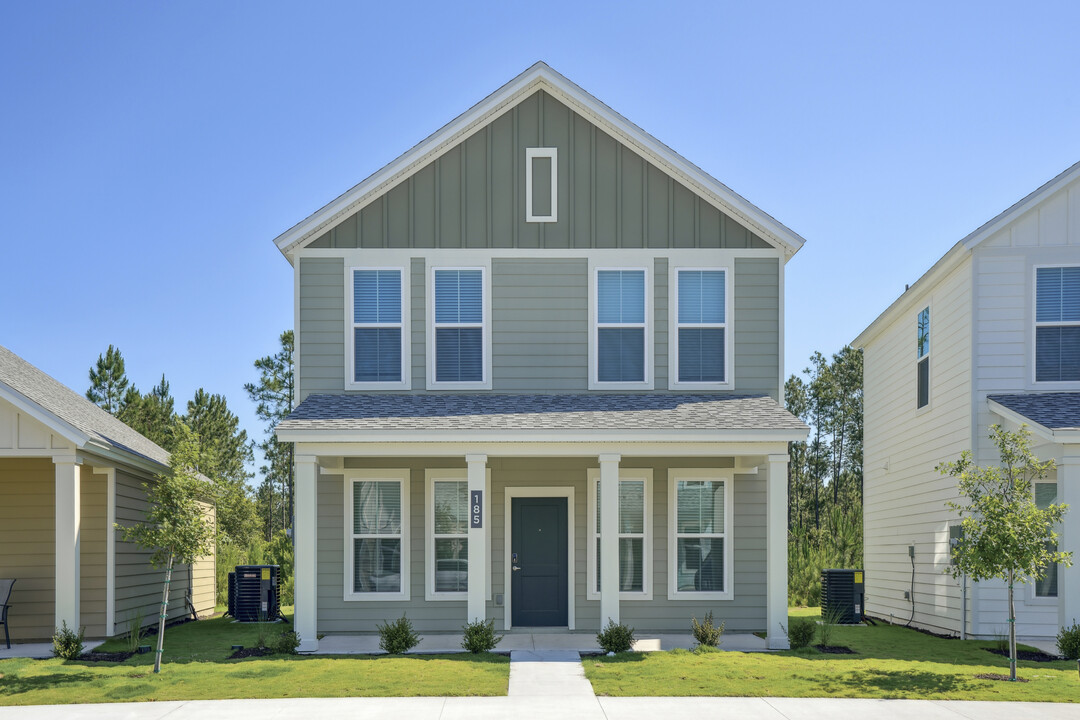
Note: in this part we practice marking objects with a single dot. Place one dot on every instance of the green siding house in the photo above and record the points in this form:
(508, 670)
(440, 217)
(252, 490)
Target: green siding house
(538, 380)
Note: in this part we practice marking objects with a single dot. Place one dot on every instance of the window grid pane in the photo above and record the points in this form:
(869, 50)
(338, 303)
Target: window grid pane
(377, 508)
(376, 565)
(451, 498)
(631, 535)
(451, 564)
(377, 354)
(922, 340)
(459, 330)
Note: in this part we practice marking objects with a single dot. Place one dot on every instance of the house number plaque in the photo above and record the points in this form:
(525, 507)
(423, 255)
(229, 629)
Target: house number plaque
(476, 507)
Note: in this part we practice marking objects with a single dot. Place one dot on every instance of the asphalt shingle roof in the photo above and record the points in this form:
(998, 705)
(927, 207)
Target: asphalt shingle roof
(653, 411)
(71, 407)
(1056, 411)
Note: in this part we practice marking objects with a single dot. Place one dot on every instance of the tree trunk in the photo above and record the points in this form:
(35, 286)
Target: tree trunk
(164, 614)
(1012, 631)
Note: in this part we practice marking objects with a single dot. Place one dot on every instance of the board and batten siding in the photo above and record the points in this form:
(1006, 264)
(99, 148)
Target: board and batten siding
(473, 196)
(745, 613)
(540, 330)
(904, 496)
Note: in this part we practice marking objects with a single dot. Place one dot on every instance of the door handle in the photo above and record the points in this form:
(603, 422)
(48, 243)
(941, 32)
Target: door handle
(515, 568)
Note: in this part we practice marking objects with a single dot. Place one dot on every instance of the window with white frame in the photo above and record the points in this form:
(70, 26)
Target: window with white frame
(541, 184)
(700, 548)
(922, 359)
(1057, 324)
(459, 337)
(376, 554)
(701, 326)
(376, 348)
(620, 333)
(448, 550)
(1045, 496)
(634, 529)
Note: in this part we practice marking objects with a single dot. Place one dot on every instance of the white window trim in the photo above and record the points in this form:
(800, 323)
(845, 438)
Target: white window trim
(625, 474)
(350, 344)
(1051, 600)
(649, 349)
(485, 284)
(727, 475)
(400, 476)
(929, 363)
(728, 382)
(431, 476)
(1034, 325)
(530, 155)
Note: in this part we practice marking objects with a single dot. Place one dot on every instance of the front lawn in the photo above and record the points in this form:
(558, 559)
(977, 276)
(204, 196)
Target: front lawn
(890, 662)
(196, 667)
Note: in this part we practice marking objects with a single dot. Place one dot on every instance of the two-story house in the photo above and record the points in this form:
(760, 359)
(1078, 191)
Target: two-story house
(538, 369)
(989, 335)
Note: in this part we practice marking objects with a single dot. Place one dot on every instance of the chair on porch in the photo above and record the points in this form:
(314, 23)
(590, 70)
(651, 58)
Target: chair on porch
(5, 595)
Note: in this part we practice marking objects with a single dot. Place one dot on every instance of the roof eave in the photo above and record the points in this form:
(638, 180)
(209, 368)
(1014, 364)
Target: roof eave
(1067, 436)
(540, 436)
(49, 419)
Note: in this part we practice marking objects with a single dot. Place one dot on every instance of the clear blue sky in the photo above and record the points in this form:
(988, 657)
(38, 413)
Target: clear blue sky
(150, 152)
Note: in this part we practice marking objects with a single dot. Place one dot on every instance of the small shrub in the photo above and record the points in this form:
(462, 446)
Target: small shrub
(1001, 644)
(286, 643)
(706, 633)
(135, 632)
(398, 637)
(800, 633)
(66, 643)
(1068, 641)
(479, 636)
(616, 637)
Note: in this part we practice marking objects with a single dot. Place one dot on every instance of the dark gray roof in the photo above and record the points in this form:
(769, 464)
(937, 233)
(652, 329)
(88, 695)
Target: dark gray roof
(651, 411)
(58, 399)
(1056, 411)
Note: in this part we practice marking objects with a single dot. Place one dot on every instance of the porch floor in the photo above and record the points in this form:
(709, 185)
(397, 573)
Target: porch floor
(582, 642)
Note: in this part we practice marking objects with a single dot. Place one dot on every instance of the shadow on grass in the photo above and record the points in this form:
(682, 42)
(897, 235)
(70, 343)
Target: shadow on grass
(899, 681)
(12, 686)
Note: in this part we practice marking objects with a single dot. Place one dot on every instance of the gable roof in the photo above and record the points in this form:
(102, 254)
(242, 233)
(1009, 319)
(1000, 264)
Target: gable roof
(966, 245)
(68, 413)
(540, 77)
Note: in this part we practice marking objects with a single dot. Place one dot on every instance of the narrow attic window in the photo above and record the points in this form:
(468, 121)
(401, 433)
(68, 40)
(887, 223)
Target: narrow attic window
(922, 359)
(541, 185)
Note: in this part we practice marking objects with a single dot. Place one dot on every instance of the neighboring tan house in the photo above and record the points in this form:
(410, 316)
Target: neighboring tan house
(537, 345)
(989, 335)
(68, 472)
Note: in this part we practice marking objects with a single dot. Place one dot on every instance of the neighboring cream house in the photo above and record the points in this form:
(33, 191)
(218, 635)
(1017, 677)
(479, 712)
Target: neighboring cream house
(538, 345)
(69, 471)
(989, 335)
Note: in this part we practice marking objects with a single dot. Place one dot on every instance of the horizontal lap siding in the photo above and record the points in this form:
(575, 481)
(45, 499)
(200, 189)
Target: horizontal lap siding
(757, 326)
(27, 539)
(93, 553)
(322, 325)
(744, 613)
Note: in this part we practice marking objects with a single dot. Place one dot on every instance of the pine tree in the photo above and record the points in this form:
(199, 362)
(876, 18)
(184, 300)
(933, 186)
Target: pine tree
(273, 396)
(108, 381)
(152, 414)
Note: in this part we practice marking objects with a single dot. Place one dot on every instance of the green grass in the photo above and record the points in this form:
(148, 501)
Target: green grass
(892, 662)
(196, 667)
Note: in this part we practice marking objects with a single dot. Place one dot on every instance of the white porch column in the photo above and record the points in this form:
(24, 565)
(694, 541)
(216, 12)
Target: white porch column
(478, 559)
(609, 538)
(68, 531)
(1069, 577)
(304, 535)
(776, 554)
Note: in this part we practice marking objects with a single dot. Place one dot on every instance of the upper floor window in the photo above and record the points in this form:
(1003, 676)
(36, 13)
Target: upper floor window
(922, 359)
(459, 335)
(1057, 324)
(377, 346)
(701, 327)
(620, 333)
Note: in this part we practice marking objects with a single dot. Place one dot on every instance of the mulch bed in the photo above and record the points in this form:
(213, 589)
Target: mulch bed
(105, 656)
(251, 652)
(835, 649)
(995, 676)
(1027, 655)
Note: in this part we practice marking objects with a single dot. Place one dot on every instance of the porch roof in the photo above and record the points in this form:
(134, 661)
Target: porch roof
(1057, 412)
(566, 412)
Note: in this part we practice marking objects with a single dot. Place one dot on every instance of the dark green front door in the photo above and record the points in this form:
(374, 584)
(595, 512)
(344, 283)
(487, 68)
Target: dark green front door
(538, 562)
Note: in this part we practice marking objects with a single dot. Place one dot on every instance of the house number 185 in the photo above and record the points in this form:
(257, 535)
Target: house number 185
(476, 506)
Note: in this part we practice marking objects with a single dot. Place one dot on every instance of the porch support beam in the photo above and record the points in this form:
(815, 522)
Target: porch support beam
(304, 529)
(1069, 577)
(776, 558)
(67, 546)
(609, 538)
(478, 560)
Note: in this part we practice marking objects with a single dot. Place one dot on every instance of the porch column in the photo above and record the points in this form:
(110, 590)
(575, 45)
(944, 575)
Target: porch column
(478, 560)
(609, 538)
(776, 554)
(68, 531)
(304, 528)
(1069, 577)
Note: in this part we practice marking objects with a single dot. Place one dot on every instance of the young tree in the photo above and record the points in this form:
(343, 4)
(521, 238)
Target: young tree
(108, 381)
(273, 396)
(176, 528)
(1005, 534)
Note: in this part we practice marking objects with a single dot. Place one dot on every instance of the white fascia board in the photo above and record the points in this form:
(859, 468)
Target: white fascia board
(94, 453)
(1070, 435)
(368, 437)
(540, 76)
(757, 451)
(59, 426)
(913, 295)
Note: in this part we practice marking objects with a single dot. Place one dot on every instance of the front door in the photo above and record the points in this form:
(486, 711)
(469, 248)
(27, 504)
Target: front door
(538, 570)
